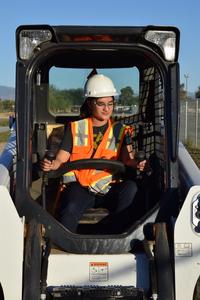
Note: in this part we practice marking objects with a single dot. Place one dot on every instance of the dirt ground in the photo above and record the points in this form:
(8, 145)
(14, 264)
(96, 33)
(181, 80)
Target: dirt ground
(5, 115)
(2, 145)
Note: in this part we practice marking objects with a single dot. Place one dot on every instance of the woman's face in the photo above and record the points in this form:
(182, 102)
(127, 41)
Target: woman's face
(102, 108)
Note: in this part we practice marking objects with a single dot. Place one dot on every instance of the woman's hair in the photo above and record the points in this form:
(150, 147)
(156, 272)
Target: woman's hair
(85, 110)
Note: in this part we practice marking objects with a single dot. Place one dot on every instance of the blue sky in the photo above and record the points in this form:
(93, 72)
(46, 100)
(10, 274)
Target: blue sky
(183, 14)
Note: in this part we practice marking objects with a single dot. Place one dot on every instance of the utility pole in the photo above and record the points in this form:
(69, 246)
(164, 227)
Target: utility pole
(186, 83)
(186, 106)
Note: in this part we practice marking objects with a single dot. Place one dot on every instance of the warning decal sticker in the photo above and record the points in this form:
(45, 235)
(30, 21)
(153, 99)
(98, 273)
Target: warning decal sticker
(183, 249)
(98, 271)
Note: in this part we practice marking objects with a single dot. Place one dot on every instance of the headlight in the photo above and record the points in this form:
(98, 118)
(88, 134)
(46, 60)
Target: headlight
(166, 40)
(30, 39)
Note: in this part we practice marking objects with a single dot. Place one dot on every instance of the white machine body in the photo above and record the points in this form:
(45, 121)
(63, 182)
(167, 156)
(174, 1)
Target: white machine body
(98, 270)
(11, 250)
(187, 246)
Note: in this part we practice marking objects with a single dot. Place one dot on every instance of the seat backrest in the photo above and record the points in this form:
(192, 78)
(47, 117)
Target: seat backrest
(55, 133)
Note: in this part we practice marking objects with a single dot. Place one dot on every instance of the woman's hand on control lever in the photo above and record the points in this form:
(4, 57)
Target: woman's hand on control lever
(49, 165)
(142, 165)
(136, 160)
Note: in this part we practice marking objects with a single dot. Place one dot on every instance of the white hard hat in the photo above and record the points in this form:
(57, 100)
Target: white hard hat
(99, 85)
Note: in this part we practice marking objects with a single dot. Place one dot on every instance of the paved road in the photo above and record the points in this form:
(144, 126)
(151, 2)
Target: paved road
(4, 129)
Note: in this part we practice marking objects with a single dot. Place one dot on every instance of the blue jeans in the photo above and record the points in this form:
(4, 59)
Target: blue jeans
(76, 199)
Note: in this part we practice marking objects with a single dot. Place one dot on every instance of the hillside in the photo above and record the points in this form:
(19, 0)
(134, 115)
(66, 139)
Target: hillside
(7, 92)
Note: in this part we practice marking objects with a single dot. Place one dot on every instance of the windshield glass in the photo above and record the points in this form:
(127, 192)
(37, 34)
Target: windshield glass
(66, 89)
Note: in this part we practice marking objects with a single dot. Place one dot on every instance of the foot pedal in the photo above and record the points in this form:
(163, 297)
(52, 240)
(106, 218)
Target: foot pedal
(96, 292)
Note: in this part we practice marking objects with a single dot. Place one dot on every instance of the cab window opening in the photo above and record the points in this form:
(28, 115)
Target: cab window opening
(66, 90)
(145, 117)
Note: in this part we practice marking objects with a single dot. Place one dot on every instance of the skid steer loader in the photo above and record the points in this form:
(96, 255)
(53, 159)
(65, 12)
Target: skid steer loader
(156, 255)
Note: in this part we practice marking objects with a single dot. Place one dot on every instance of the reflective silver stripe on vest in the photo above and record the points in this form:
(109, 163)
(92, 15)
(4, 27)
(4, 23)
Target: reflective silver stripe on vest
(114, 137)
(69, 177)
(80, 139)
(101, 186)
(81, 133)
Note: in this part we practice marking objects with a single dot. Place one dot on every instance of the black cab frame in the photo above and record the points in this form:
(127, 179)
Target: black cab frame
(44, 53)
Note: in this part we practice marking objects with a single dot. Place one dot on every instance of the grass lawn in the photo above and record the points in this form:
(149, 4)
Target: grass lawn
(4, 136)
(4, 122)
(195, 153)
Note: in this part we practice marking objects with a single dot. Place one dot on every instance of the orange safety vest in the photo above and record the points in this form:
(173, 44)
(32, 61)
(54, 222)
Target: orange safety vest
(109, 148)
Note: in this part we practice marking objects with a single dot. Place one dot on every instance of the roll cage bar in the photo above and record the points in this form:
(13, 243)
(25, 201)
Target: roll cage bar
(83, 46)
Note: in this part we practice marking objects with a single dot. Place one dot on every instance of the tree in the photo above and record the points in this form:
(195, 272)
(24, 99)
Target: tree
(1, 105)
(8, 105)
(183, 93)
(197, 93)
(63, 100)
(127, 96)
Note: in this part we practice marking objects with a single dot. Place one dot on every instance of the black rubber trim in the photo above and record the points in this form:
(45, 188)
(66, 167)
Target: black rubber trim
(98, 164)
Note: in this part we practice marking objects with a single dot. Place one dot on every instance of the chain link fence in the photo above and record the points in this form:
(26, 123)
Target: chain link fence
(190, 122)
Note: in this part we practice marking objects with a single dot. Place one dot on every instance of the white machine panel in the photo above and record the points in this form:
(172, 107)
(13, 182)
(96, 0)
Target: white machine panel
(99, 270)
(11, 251)
(187, 246)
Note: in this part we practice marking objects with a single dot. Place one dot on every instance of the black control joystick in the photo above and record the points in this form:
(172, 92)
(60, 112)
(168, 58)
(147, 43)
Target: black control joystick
(140, 156)
(50, 155)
